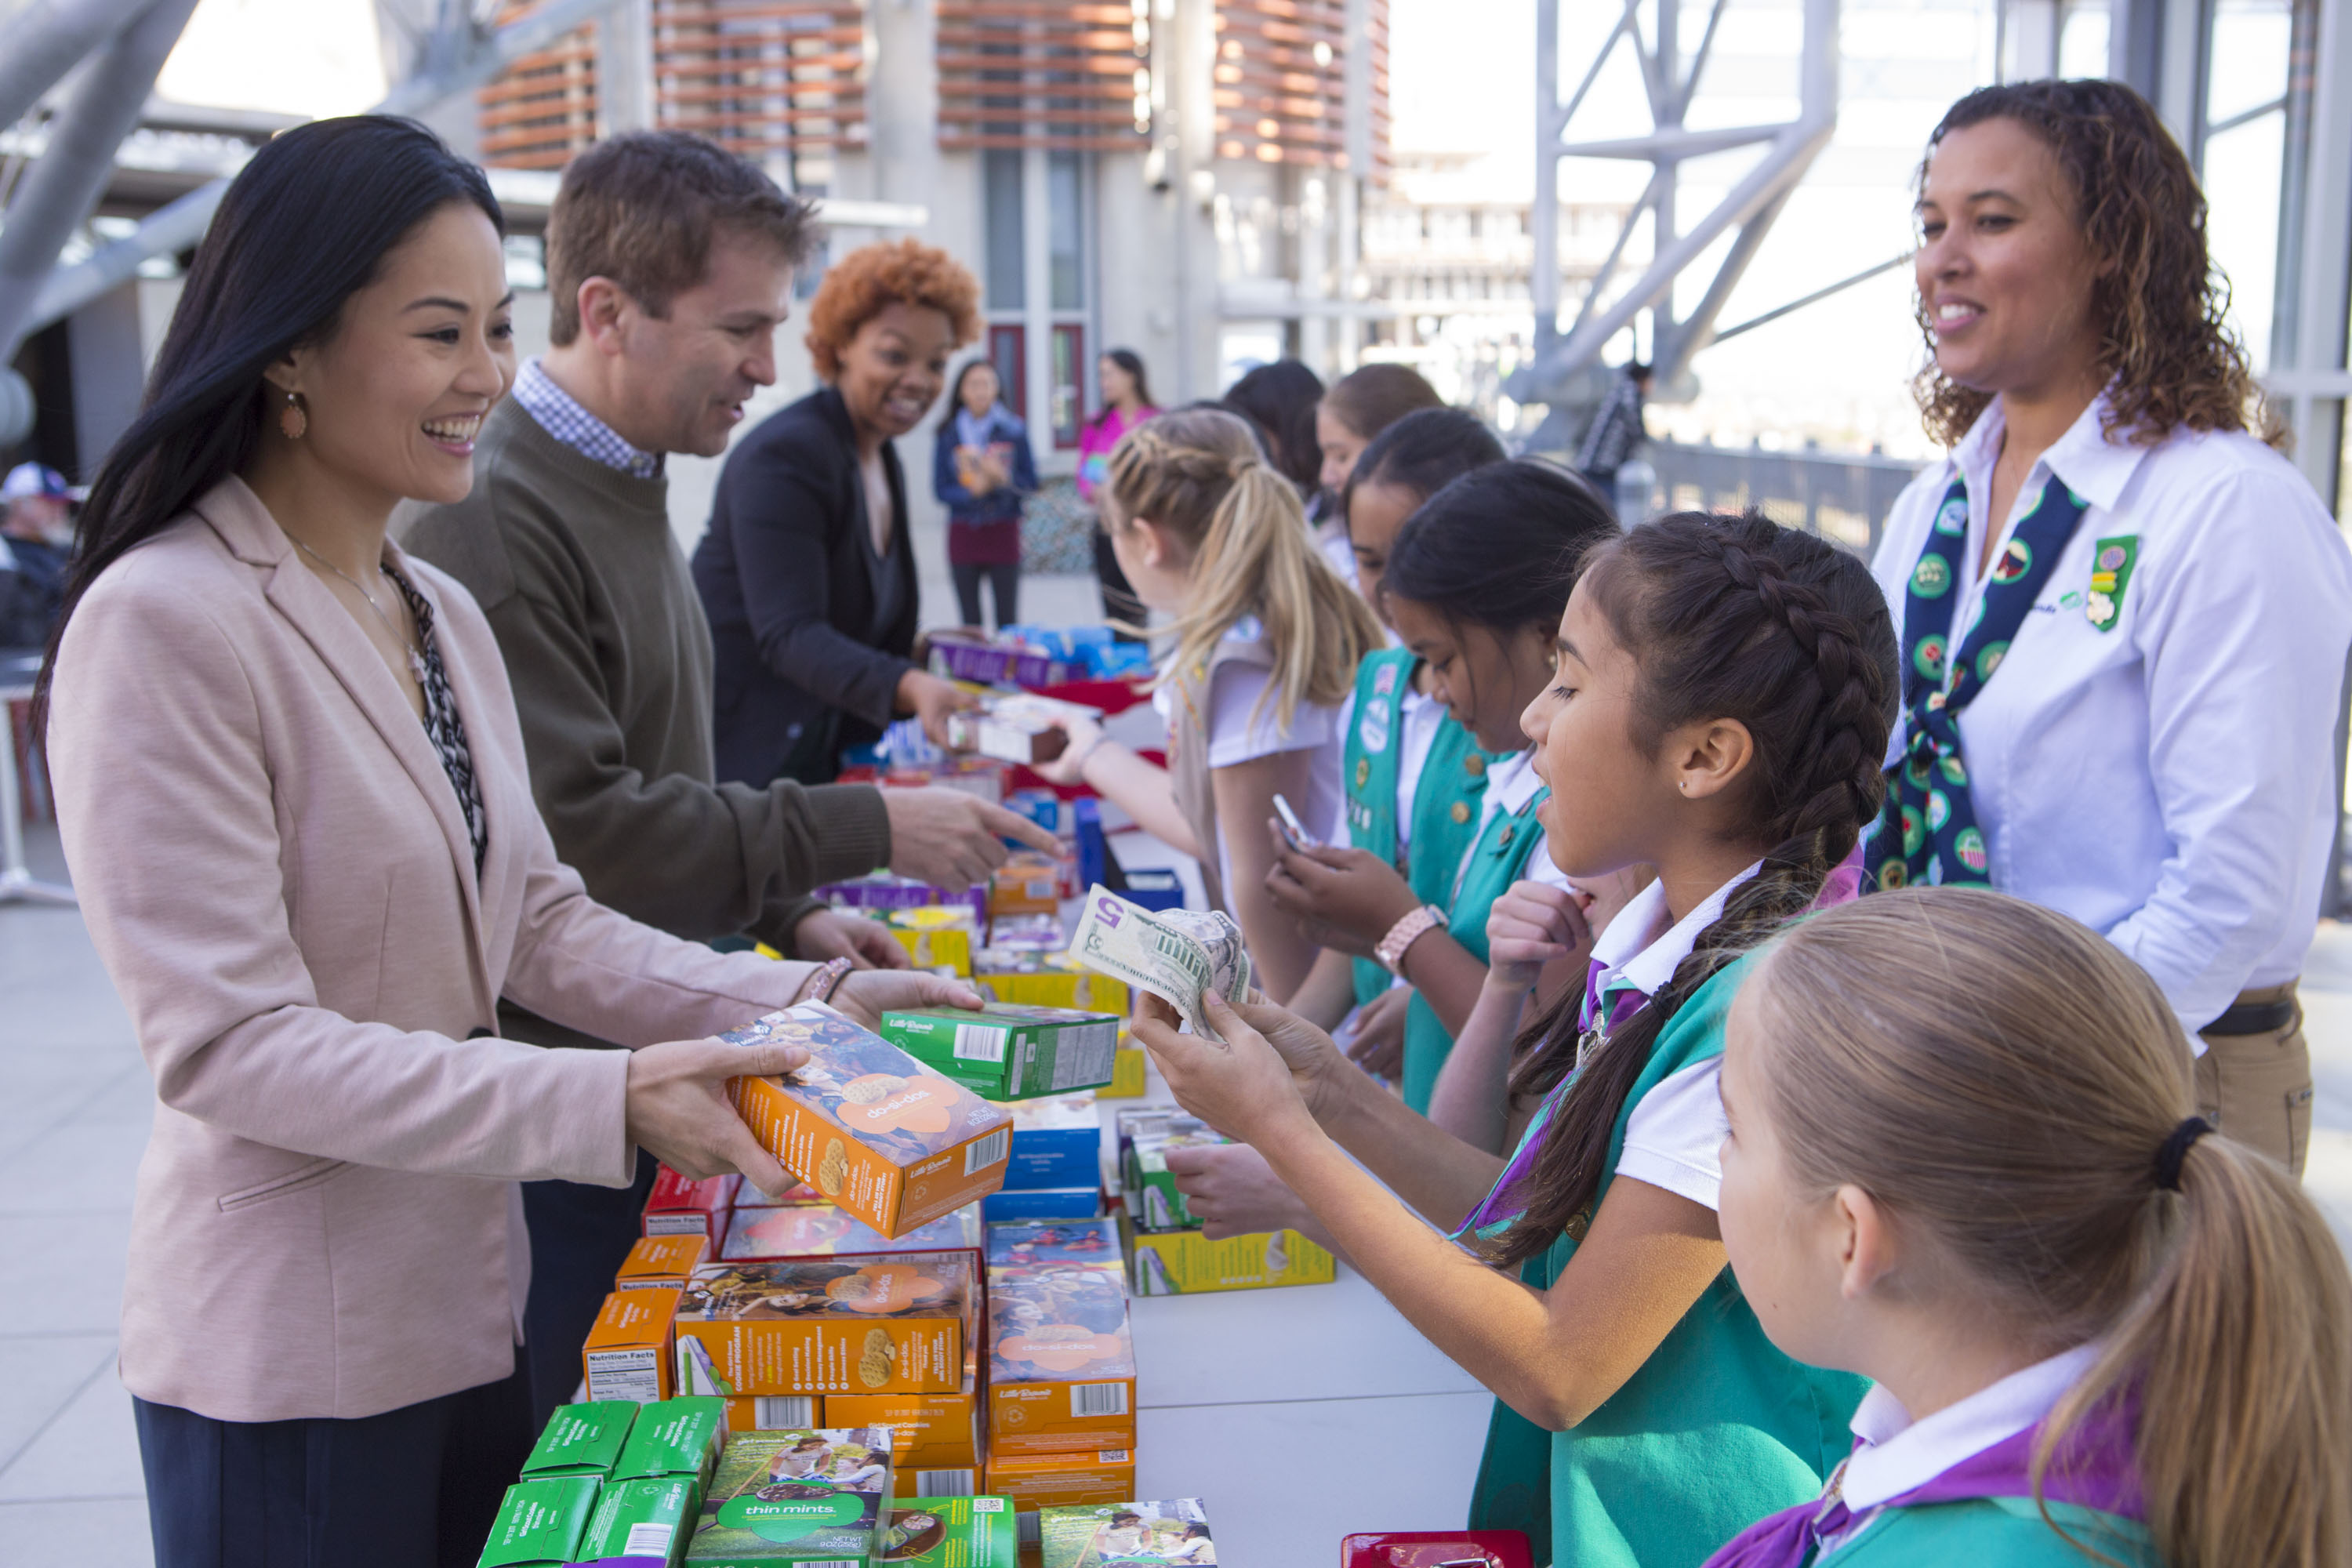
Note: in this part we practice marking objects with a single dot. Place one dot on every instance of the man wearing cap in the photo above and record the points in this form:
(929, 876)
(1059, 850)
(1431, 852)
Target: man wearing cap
(36, 541)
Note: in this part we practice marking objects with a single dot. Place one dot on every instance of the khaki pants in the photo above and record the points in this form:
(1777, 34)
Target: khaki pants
(2256, 1088)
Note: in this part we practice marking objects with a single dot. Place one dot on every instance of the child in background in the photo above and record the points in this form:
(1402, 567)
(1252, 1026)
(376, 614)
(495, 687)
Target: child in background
(981, 468)
(1475, 583)
(1127, 402)
(1388, 810)
(1721, 704)
(1267, 641)
(1962, 1162)
(1362, 406)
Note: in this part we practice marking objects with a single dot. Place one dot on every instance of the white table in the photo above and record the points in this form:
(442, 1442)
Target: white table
(1297, 1415)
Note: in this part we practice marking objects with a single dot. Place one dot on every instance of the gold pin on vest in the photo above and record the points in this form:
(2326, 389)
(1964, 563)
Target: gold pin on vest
(1474, 763)
(1461, 811)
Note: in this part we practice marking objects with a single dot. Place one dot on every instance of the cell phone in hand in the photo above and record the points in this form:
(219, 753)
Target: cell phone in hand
(1293, 832)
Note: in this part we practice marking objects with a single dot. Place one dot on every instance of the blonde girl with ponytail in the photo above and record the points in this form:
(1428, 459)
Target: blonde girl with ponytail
(1266, 640)
(1962, 1162)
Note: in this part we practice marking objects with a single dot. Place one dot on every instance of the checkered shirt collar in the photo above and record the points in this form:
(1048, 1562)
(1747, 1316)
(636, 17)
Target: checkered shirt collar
(561, 415)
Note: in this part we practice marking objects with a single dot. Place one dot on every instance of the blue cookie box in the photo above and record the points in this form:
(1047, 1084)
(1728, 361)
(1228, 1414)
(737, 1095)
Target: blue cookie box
(1054, 1157)
(1038, 1204)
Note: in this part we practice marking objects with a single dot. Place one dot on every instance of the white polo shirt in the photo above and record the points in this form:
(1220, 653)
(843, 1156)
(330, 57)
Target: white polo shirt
(2168, 780)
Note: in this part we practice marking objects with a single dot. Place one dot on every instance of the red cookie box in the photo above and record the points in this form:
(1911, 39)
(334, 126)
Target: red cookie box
(1438, 1549)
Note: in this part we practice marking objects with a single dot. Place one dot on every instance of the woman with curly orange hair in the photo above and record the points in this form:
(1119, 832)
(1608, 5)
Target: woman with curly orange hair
(2123, 615)
(807, 572)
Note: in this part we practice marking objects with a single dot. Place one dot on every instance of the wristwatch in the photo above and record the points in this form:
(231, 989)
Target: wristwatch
(1404, 933)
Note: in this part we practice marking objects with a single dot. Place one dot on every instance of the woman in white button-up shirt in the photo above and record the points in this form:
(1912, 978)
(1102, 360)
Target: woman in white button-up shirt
(2156, 755)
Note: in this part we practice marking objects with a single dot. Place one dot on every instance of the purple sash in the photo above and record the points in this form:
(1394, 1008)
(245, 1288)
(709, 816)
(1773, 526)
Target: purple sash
(1499, 1209)
(2094, 1469)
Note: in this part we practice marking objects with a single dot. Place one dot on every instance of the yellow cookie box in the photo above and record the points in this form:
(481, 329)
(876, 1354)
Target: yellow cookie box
(1127, 1080)
(935, 937)
(1058, 987)
(1186, 1262)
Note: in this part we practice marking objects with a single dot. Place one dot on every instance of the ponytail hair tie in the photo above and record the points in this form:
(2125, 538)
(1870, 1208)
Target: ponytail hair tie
(1240, 465)
(2176, 1150)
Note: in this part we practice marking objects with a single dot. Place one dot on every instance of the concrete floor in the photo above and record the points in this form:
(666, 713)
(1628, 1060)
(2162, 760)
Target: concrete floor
(74, 1112)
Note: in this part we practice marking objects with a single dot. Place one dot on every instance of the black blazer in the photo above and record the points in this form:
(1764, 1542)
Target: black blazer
(807, 625)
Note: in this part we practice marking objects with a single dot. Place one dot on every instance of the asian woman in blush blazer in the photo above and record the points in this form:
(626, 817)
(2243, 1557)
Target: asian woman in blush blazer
(293, 795)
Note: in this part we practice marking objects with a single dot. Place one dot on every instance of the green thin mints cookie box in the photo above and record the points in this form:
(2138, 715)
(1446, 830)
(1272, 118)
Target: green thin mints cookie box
(952, 1532)
(640, 1524)
(673, 1437)
(582, 1439)
(818, 1498)
(540, 1522)
(1009, 1050)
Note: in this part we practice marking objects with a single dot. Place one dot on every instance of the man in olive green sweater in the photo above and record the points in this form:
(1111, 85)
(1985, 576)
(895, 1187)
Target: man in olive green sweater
(670, 266)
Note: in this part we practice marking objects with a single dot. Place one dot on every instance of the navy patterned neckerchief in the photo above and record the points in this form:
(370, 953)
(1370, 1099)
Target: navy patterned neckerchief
(1927, 830)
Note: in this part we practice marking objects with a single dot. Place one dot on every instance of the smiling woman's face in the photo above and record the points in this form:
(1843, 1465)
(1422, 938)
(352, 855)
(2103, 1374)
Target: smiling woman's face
(2003, 269)
(393, 396)
(895, 367)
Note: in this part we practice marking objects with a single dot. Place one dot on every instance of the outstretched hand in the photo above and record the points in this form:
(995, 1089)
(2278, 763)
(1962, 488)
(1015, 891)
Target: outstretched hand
(1263, 1082)
(679, 1113)
(867, 994)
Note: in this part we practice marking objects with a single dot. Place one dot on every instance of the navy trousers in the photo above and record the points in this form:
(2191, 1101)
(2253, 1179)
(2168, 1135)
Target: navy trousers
(412, 1487)
(580, 1235)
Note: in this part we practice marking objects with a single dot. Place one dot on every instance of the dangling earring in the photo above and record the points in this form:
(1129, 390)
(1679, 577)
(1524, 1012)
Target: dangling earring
(293, 420)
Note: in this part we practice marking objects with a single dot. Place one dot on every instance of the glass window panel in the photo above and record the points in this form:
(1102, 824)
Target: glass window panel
(2083, 38)
(1008, 283)
(2247, 57)
(2242, 223)
(1065, 230)
(1069, 390)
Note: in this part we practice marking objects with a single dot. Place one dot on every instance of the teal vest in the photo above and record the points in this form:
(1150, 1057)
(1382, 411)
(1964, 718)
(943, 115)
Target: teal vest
(1979, 1532)
(1498, 859)
(1716, 1430)
(1444, 802)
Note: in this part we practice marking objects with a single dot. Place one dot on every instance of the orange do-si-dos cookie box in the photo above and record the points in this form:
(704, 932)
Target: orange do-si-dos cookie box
(875, 1131)
(1061, 1371)
(821, 1230)
(658, 1262)
(812, 1326)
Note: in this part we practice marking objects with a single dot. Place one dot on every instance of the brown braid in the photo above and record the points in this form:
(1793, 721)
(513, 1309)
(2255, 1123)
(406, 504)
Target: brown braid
(1729, 617)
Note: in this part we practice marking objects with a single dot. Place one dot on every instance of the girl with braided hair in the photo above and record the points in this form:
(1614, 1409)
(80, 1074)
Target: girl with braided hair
(1721, 702)
(1267, 639)
(2100, 1332)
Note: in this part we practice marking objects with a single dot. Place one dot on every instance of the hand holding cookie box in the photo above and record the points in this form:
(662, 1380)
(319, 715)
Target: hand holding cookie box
(893, 1142)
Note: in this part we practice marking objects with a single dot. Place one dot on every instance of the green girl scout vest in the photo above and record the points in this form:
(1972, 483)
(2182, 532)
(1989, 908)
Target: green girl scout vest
(1716, 1430)
(2006, 1530)
(1444, 803)
(1498, 859)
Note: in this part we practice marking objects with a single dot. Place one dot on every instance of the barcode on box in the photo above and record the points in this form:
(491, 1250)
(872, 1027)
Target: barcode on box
(984, 1504)
(1086, 1056)
(945, 1483)
(1097, 1399)
(1111, 1457)
(781, 1412)
(980, 1042)
(837, 1563)
(988, 1150)
(648, 1541)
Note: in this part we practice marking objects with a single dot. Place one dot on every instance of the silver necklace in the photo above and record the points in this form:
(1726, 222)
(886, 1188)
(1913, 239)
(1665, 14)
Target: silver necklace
(415, 659)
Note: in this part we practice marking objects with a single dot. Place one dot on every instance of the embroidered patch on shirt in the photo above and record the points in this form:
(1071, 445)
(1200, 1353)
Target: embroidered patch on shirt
(2111, 570)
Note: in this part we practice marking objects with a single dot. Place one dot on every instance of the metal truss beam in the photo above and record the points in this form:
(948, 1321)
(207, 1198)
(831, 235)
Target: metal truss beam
(463, 55)
(1745, 212)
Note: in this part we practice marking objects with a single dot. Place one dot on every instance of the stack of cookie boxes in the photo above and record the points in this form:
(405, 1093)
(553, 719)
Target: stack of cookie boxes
(1061, 1366)
(1167, 1253)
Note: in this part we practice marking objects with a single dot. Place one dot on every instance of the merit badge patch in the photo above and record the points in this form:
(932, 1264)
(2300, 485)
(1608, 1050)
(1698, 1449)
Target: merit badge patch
(1372, 729)
(2111, 570)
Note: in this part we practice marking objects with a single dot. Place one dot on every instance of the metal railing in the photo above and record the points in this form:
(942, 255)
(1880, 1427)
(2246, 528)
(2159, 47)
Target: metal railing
(1845, 498)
